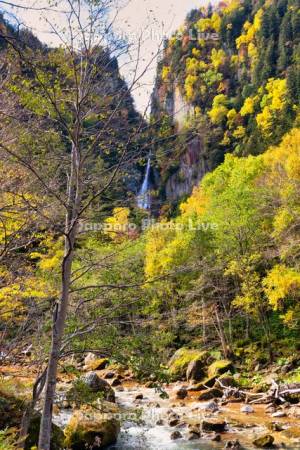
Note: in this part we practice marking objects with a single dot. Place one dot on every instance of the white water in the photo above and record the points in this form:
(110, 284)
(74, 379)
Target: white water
(139, 428)
(143, 200)
(142, 433)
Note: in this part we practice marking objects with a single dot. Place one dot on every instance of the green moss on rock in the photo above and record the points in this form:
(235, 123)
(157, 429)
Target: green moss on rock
(181, 359)
(265, 441)
(91, 430)
(57, 435)
(218, 368)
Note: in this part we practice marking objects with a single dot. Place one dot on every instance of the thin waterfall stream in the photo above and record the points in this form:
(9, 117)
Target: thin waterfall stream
(144, 198)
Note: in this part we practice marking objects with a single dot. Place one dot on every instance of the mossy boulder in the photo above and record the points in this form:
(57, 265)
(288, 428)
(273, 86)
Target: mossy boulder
(181, 359)
(195, 370)
(219, 367)
(11, 410)
(57, 435)
(265, 441)
(88, 389)
(91, 429)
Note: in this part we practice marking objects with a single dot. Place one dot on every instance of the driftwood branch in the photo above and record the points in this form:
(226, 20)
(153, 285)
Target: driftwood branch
(277, 393)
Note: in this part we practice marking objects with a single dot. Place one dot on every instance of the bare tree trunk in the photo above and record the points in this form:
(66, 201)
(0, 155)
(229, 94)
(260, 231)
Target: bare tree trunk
(59, 319)
(61, 308)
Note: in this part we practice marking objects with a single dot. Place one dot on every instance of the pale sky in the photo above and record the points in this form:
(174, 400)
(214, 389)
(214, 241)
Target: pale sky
(150, 18)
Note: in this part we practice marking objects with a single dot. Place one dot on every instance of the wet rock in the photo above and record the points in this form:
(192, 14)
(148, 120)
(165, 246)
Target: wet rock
(116, 382)
(275, 426)
(216, 437)
(247, 409)
(181, 425)
(173, 422)
(96, 385)
(176, 435)
(210, 394)
(139, 396)
(195, 429)
(109, 375)
(213, 425)
(233, 444)
(181, 393)
(91, 430)
(160, 422)
(265, 441)
(193, 436)
(212, 406)
(279, 414)
(195, 370)
(164, 395)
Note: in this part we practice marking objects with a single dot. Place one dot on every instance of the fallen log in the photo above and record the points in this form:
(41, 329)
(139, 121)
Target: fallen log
(277, 393)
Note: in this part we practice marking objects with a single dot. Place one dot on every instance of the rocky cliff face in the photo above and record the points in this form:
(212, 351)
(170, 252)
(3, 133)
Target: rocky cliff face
(193, 165)
(187, 152)
(228, 82)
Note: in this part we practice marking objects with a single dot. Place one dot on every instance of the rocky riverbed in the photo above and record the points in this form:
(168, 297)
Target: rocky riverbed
(151, 422)
(150, 416)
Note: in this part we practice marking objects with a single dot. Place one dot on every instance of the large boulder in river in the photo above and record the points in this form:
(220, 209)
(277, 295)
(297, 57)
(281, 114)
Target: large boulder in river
(98, 385)
(213, 425)
(265, 441)
(91, 429)
(219, 367)
(195, 370)
(181, 359)
(89, 388)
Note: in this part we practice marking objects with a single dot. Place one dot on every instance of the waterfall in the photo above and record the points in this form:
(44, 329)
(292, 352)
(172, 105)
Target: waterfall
(143, 199)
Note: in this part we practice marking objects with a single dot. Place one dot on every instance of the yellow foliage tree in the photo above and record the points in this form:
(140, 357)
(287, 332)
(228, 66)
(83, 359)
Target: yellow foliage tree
(273, 103)
(117, 224)
(217, 58)
(219, 109)
(282, 287)
(189, 85)
(250, 30)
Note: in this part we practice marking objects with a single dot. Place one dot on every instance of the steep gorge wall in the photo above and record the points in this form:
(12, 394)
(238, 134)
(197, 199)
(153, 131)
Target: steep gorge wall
(234, 88)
